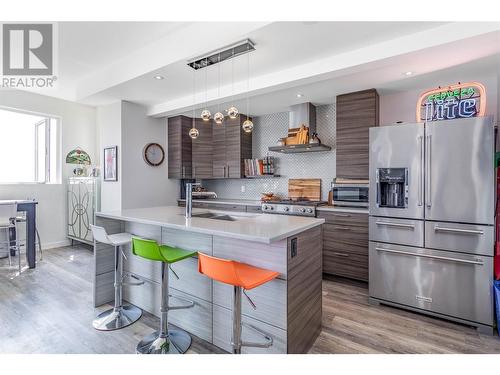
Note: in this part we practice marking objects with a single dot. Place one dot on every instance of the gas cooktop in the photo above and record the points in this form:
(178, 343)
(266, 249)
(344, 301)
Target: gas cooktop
(292, 207)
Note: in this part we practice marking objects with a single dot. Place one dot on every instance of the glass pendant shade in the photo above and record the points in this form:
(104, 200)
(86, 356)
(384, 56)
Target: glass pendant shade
(194, 133)
(206, 115)
(247, 126)
(218, 118)
(232, 112)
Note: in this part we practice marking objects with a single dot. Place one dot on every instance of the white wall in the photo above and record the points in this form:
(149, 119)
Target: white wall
(144, 185)
(126, 125)
(78, 128)
(110, 134)
(401, 106)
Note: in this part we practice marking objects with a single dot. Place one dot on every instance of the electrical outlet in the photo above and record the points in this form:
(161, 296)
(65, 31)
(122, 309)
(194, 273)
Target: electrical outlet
(243, 188)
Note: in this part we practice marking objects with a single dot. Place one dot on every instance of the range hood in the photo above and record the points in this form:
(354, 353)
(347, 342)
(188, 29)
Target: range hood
(299, 114)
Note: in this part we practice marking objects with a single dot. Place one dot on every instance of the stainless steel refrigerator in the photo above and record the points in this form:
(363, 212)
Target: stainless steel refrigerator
(431, 230)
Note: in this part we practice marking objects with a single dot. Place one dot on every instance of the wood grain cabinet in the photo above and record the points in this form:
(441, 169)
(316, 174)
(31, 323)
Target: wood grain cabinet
(356, 113)
(231, 145)
(202, 150)
(179, 147)
(345, 244)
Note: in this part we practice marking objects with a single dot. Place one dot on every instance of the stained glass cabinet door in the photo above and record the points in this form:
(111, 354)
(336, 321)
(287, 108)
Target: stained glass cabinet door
(83, 202)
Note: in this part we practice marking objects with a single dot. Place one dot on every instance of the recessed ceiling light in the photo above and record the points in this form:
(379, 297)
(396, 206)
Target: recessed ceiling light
(300, 95)
(158, 77)
(408, 73)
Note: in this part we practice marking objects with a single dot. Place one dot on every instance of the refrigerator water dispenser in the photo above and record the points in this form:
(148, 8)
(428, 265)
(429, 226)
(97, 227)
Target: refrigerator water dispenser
(392, 187)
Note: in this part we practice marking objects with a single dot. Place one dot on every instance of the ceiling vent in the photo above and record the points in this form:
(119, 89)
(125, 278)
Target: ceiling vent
(223, 54)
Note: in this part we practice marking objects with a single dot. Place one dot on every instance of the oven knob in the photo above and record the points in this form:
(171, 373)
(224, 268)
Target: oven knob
(265, 207)
(310, 210)
(286, 208)
(302, 209)
(271, 208)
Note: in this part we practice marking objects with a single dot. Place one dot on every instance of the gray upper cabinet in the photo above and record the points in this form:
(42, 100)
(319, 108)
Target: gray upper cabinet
(202, 150)
(231, 145)
(356, 113)
(179, 147)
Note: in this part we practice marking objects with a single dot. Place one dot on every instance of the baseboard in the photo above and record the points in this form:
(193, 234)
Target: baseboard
(53, 245)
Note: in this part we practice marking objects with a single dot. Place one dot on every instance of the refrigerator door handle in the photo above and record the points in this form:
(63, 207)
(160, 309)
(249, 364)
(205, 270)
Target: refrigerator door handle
(421, 171)
(465, 261)
(457, 230)
(428, 171)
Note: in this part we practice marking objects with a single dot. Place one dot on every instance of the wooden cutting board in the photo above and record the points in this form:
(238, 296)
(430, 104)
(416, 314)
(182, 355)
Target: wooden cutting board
(304, 189)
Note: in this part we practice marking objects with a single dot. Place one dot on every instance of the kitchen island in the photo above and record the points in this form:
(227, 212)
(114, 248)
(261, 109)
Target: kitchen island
(288, 308)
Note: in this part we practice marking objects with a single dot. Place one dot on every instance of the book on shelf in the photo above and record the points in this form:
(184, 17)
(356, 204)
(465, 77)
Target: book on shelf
(259, 167)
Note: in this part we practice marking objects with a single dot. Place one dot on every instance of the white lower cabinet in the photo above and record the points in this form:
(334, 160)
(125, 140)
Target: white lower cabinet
(223, 326)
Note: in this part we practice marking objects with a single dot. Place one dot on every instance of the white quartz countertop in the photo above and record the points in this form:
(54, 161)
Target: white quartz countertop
(263, 228)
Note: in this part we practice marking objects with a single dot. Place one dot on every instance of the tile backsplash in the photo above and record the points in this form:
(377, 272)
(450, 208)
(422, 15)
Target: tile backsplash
(268, 129)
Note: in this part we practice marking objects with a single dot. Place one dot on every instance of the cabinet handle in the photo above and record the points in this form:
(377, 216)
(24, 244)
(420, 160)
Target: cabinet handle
(458, 230)
(183, 171)
(342, 228)
(345, 255)
(341, 215)
(400, 225)
(224, 171)
(228, 171)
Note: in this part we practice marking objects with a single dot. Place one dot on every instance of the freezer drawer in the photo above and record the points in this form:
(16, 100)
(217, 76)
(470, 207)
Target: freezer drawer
(448, 283)
(398, 231)
(467, 238)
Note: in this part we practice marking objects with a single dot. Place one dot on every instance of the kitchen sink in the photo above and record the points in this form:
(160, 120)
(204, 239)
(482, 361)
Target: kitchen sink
(214, 216)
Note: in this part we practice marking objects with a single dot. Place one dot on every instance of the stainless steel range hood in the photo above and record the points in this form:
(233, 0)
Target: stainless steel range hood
(304, 113)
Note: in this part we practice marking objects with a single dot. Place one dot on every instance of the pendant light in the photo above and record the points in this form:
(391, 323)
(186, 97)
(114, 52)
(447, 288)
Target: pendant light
(232, 112)
(218, 117)
(247, 125)
(205, 114)
(193, 132)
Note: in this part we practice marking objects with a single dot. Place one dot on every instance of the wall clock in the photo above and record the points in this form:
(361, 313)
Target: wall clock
(153, 154)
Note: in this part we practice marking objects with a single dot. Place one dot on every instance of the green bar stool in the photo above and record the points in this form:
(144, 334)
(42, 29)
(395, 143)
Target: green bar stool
(164, 341)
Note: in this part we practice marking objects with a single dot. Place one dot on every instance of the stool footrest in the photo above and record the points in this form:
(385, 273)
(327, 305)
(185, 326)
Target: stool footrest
(189, 304)
(139, 282)
(266, 344)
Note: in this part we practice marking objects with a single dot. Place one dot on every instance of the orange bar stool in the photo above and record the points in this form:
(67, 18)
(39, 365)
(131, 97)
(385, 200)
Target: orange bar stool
(242, 277)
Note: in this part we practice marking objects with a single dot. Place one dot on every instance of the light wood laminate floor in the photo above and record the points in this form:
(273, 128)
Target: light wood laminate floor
(49, 310)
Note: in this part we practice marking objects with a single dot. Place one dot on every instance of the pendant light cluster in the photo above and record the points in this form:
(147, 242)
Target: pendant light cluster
(232, 111)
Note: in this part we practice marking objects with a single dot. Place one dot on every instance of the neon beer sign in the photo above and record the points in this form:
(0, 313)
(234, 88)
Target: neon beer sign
(456, 101)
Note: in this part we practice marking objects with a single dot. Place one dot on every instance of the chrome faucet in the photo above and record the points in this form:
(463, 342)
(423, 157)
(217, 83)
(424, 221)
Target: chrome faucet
(189, 198)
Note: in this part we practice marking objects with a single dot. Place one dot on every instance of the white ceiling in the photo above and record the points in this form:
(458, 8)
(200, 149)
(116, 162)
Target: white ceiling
(103, 62)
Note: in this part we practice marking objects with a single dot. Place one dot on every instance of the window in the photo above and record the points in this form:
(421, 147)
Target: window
(28, 147)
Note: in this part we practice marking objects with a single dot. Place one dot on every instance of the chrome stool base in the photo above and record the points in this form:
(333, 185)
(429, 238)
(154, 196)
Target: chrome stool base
(117, 318)
(176, 342)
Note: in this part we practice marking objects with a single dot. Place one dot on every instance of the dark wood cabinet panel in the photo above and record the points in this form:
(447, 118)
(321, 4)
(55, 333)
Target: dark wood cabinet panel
(179, 147)
(231, 146)
(345, 244)
(219, 150)
(356, 113)
(202, 150)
